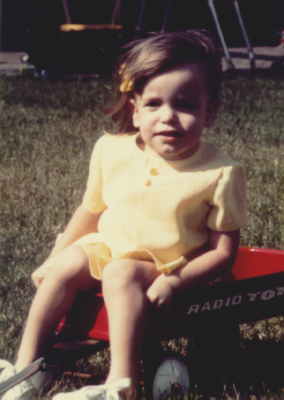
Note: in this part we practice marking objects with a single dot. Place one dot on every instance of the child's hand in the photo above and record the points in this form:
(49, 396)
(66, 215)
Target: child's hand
(160, 292)
(40, 273)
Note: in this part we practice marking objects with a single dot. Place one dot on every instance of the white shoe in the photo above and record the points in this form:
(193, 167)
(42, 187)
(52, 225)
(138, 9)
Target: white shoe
(22, 391)
(122, 389)
(117, 390)
(86, 393)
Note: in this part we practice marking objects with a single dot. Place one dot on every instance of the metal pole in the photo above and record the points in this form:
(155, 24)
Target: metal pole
(166, 15)
(66, 12)
(1, 25)
(116, 12)
(245, 35)
(220, 33)
(140, 16)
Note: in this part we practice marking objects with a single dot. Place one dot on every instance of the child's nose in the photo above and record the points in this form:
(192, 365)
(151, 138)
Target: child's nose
(167, 114)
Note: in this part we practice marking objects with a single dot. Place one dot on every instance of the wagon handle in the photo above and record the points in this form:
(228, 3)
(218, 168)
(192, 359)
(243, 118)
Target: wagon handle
(36, 366)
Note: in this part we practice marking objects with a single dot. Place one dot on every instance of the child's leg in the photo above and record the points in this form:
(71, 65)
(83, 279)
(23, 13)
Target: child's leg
(124, 286)
(53, 299)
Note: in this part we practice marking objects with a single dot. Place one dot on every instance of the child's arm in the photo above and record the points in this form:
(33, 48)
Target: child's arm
(205, 267)
(81, 223)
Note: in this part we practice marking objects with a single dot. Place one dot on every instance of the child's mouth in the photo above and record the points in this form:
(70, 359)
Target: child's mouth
(169, 135)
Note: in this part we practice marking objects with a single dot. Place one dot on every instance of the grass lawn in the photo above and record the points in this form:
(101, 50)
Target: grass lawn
(47, 131)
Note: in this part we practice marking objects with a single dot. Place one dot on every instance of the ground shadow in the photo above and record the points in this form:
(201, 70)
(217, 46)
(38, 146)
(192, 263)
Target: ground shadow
(253, 367)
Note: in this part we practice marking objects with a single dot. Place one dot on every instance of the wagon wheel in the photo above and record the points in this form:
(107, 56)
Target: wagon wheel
(166, 375)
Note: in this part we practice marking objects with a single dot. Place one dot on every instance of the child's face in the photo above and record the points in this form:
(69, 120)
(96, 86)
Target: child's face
(172, 112)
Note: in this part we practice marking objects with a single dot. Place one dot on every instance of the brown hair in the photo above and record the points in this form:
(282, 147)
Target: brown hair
(143, 59)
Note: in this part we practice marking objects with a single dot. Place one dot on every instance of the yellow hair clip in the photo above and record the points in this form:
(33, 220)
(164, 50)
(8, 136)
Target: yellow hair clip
(126, 83)
(126, 86)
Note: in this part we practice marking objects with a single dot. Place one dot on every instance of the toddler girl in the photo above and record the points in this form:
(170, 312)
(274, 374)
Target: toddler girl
(161, 211)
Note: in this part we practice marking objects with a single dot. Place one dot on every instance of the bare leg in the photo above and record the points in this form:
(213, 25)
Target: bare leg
(53, 299)
(124, 286)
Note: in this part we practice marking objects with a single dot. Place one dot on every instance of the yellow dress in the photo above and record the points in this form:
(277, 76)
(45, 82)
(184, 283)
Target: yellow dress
(153, 209)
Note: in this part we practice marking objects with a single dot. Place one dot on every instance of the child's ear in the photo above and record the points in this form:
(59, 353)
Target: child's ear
(135, 113)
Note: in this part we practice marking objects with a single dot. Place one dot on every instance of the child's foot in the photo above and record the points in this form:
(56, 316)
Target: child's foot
(87, 392)
(22, 391)
(121, 389)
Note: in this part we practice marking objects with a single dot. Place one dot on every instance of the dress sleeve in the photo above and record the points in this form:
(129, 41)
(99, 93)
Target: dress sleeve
(228, 208)
(93, 196)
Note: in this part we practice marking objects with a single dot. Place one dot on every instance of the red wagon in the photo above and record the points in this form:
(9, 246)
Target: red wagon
(254, 291)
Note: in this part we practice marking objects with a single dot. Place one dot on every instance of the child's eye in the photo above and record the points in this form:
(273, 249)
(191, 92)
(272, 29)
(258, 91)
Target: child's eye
(187, 105)
(152, 103)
